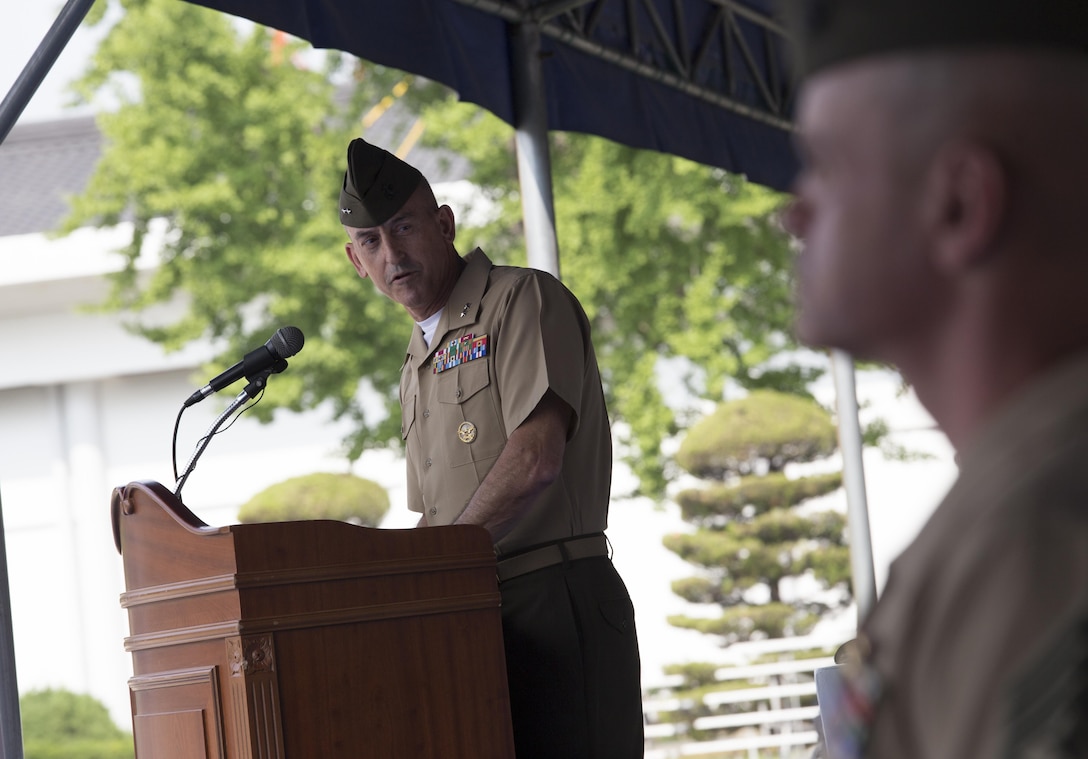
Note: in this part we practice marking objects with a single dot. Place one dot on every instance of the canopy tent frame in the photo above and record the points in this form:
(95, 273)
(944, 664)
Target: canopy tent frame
(12, 106)
(679, 65)
(11, 729)
(683, 59)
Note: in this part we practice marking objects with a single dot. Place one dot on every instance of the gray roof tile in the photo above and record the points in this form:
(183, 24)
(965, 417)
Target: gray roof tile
(43, 164)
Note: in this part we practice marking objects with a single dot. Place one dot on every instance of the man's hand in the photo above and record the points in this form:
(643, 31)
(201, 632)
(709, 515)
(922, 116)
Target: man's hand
(530, 462)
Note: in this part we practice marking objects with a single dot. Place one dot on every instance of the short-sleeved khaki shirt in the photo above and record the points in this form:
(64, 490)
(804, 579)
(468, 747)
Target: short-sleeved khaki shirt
(961, 638)
(506, 336)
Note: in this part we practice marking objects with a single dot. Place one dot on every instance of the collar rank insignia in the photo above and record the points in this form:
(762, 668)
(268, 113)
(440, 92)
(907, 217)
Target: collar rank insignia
(458, 351)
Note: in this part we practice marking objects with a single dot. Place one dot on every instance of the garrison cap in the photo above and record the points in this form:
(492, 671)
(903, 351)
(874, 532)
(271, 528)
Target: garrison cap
(830, 32)
(376, 185)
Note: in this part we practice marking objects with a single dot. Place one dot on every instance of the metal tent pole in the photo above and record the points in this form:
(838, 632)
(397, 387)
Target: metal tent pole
(534, 166)
(11, 727)
(857, 509)
(39, 64)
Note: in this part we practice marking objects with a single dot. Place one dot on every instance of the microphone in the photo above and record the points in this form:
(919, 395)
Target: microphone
(269, 357)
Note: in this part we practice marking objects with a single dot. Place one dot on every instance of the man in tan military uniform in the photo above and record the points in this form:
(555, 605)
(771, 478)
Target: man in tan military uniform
(505, 426)
(942, 207)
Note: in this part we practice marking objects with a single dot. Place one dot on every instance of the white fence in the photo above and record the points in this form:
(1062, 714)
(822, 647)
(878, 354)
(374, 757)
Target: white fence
(764, 708)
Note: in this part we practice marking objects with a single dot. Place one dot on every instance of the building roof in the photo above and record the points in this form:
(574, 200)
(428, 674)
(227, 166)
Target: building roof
(45, 163)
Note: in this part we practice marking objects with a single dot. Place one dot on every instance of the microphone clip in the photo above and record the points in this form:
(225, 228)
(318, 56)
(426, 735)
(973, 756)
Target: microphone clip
(259, 380)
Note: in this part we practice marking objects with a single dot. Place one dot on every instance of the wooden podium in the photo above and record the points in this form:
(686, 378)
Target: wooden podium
(306, 640)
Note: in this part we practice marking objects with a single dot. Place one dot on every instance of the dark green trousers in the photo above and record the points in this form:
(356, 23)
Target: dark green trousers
(572, 663)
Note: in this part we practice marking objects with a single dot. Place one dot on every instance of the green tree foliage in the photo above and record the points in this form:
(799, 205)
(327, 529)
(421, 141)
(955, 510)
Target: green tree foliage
(671, 259)
(241, 152)
(59, 724)
(765, 428)
(321, 495)
(238, 148)
(751, 536)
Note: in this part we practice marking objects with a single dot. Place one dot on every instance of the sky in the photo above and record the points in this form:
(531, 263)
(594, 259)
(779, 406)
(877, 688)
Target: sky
(18, 43)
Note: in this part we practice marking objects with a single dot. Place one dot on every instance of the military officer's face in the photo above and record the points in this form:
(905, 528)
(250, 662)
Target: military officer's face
(411, 257)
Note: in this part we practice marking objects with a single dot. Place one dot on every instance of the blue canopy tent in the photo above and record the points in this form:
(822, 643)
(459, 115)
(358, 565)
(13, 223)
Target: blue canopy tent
(704, 79)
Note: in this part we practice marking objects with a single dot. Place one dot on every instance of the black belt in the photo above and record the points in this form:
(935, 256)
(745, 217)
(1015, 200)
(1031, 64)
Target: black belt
(580, 547)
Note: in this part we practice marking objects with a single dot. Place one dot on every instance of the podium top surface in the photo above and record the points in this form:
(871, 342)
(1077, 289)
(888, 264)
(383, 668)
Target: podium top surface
(157, 533)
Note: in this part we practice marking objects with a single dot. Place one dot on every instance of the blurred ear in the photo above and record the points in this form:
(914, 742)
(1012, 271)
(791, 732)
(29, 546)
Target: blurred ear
(967, 202)
(446, 223)
(350, 250)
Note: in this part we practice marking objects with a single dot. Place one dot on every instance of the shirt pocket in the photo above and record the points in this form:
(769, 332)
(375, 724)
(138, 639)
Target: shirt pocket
(470, 415)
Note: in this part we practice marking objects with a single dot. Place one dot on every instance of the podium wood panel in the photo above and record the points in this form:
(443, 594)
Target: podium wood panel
(307, 639)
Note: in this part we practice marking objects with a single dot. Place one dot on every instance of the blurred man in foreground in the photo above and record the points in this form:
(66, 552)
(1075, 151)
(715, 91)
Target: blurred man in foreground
(942, 206)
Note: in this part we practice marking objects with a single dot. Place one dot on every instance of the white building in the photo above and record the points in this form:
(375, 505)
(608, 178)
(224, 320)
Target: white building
(86, 406)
